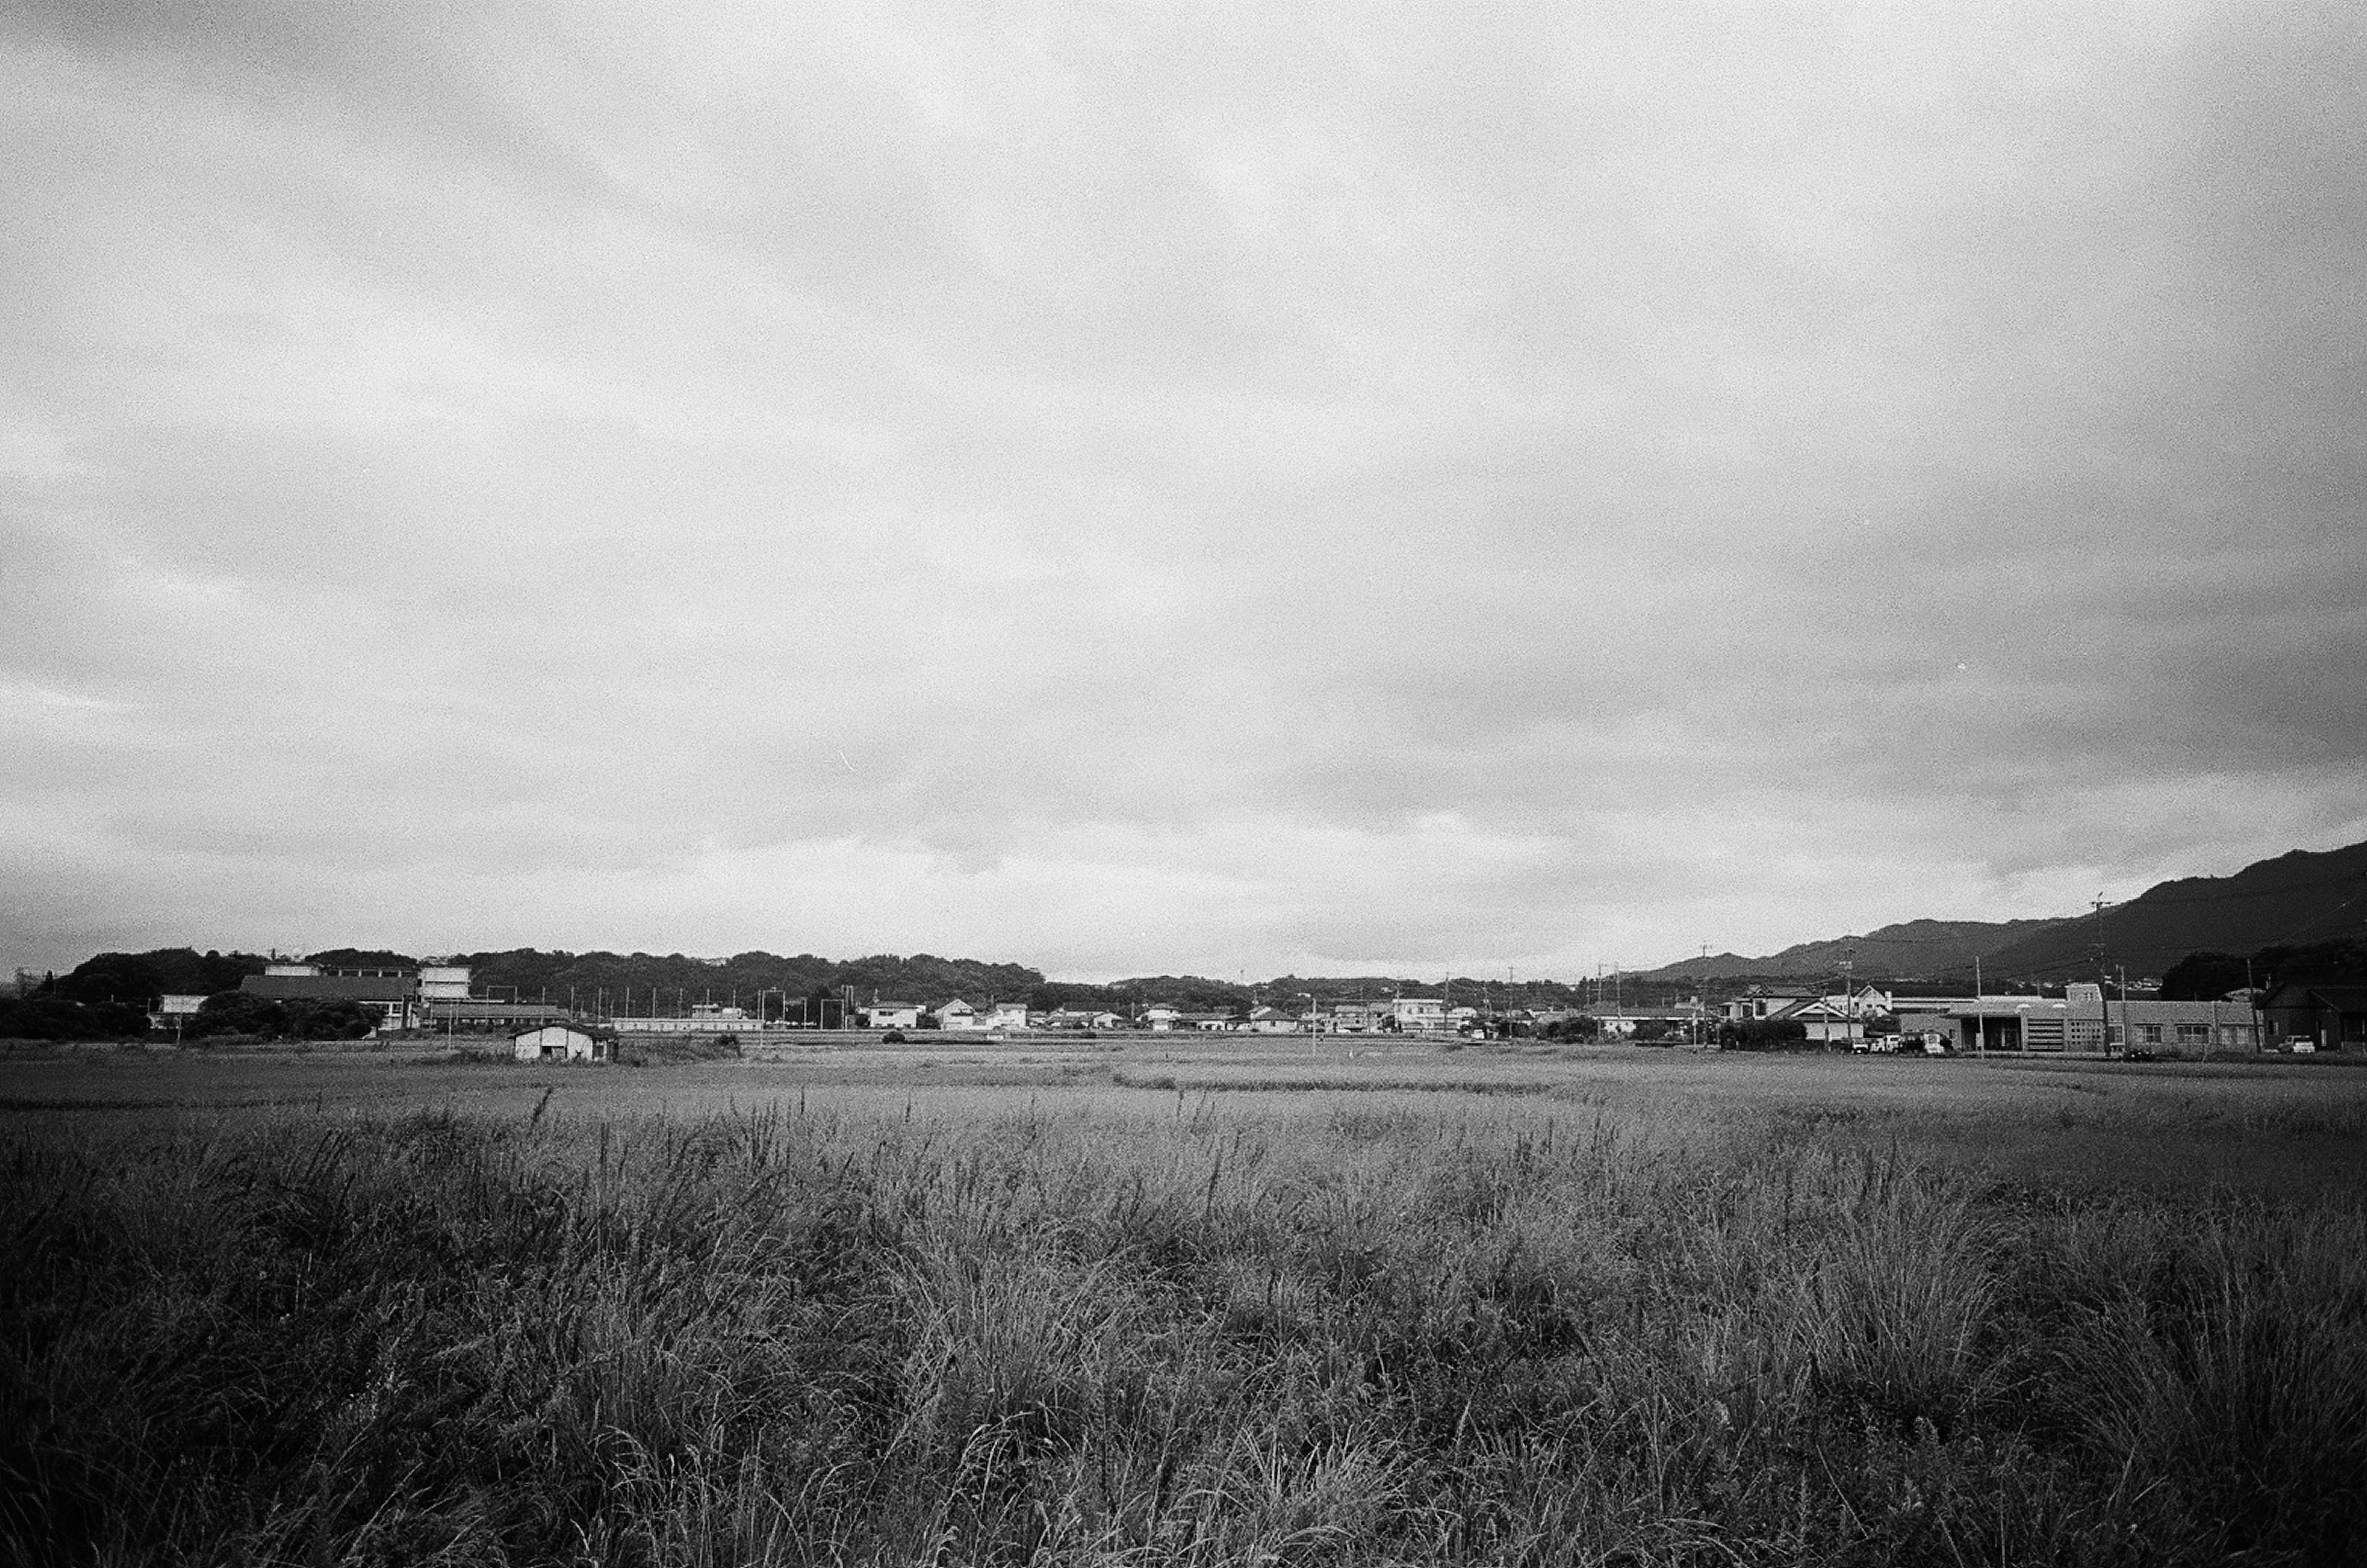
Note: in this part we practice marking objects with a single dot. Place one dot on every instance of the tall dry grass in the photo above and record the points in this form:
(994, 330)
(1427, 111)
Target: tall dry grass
(1150, 1329)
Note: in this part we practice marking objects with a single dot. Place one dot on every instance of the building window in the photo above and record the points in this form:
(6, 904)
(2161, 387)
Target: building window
(2194, 1034)
(2149, 1033)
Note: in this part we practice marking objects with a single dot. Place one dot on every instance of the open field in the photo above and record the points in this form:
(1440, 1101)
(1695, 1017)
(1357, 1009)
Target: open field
(2265, 1125)
(1183, 1300)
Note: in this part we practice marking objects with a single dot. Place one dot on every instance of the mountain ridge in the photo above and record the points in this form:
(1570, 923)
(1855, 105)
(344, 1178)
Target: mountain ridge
(2299, 895)
(1903, 950)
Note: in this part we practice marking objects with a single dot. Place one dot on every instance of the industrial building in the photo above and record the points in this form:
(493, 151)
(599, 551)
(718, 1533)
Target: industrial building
(395, 992)
(2084, 1021)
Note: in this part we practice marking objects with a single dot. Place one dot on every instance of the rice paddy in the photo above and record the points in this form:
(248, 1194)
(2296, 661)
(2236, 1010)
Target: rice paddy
(1182, 1301)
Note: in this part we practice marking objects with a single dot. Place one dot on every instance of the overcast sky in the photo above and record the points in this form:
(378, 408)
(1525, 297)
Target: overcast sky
(1174, 487)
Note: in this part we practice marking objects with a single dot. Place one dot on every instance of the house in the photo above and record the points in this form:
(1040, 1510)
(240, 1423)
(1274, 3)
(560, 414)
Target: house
(1766, 1001)
(1209, 1023)
(891, 1015)
(1828, 1020)
(1861, 1001)
(1079, 1018)
(1361, 1018)
(561, 1042)
(1005, 1015)
(1624, 1021)
(1274, 1020)
(957, 1014)
(1160, 1016)
(2330, 1018)
(1420, 1015)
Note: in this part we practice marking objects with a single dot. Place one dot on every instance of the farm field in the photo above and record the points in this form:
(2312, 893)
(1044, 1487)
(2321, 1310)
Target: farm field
(1176, 1300)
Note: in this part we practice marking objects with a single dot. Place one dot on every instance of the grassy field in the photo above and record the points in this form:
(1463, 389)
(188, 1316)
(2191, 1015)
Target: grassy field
(1182, 1301)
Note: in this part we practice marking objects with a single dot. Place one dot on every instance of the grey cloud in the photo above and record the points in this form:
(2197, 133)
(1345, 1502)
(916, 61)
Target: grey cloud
(410, 71)
(1425, 485)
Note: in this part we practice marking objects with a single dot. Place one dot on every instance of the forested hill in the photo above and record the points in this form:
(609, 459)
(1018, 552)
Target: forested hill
(2300, 897)
(668, 981)
(530, 973)
(2294, 901)
(139, 978)
(1912, 949)
(677, 979)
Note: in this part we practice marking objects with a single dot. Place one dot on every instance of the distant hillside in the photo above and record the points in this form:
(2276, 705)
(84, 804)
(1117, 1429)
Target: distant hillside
(2304, 897)
(2300, 897)
(1914, 950)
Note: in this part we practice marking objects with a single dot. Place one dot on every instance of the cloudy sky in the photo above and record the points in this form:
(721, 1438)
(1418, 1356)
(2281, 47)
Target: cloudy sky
(1135, 488)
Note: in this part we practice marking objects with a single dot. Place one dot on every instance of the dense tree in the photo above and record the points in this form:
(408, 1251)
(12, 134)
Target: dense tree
(2200, 976)
(54, 1017)
(241, 1012)
(139, 978)
(362, 958)
(1763, 1034)
(2342, 961)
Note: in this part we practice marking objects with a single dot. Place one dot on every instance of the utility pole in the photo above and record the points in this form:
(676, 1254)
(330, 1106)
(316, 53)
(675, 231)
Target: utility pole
(2252, 997)
(2128, 1036)
(1849, 999)
(2103, 983)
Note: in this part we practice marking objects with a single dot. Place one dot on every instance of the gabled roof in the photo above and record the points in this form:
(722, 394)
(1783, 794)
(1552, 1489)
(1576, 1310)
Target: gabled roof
(2342, 997)
(590, 1030)
(1817, 1006)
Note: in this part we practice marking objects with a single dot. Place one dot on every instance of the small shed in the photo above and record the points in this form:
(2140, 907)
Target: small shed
(559, 1042)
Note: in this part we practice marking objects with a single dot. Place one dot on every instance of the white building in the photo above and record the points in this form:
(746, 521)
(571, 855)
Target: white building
(1420, 1015)
(1081, 1018)
(957, 1014)
(1359, 1017)
(444, 982)
(557, 1042)
(1006, 1015)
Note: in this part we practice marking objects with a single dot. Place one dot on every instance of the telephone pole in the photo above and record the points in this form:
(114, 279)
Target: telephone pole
(2104, 980)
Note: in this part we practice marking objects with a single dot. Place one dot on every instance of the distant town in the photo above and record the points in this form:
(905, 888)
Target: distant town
(321, 998)
(2270, 958)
